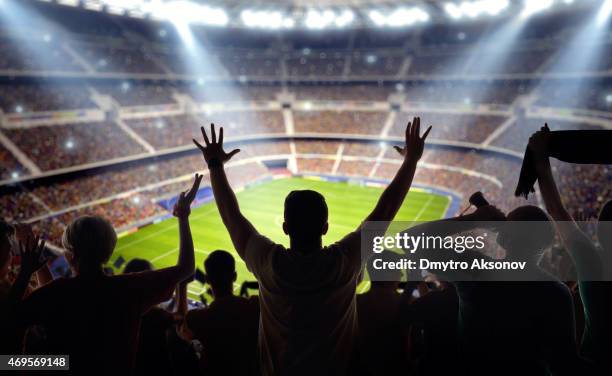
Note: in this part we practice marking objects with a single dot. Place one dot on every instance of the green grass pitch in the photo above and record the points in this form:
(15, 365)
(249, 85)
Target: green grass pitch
(262, 204)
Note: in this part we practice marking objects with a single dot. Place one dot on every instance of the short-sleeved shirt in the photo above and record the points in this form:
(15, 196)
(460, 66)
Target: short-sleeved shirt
(308, 321)
(95, 319)
(228, 331)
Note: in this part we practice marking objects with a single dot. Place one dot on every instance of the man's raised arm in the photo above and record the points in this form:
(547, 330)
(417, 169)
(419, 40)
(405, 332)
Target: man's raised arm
(392, 198)
(239, 228)
(579, 246)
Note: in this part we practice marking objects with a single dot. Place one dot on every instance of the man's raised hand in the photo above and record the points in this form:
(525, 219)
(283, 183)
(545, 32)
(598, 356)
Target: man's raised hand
(538, 142)
(182, 208)
(415, 143)
(213, 152)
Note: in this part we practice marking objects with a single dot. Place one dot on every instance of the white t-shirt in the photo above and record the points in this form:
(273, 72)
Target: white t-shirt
(308, 322)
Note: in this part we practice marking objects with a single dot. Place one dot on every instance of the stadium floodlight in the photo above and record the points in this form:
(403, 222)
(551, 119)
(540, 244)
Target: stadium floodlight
(15, 175)
(266, 19)
(604, 13)
(609, 98)
(70, 3)
(531, 7)
(186, 12)
(322, 19)
(474, 9)
(399, 17)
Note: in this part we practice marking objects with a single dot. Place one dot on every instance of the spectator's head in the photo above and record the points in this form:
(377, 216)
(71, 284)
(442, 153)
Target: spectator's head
(90, 241)
(604, 227)
(220, 270)
(527, 233)
(305, 217)
(137, 265)
(384, 278)
(6, 231)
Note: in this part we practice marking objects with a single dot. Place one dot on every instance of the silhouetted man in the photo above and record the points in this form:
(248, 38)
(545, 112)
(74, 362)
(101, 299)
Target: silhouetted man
(228, 327)
(307, 292)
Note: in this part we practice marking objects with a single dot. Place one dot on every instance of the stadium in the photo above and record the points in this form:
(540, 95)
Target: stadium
(100, 101)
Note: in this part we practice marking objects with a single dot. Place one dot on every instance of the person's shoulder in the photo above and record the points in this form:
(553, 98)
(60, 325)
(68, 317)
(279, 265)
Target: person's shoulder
(350, 240)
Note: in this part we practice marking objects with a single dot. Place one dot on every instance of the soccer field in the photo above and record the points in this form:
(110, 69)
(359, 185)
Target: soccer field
(262, 204)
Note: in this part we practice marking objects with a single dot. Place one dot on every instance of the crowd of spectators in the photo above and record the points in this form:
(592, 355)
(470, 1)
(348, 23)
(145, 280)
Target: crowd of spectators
(348, 122)
(354, 168)
(323, 64)
(373, 63)
(167, 131)
(18, 98)
(9, 166)
(73, 144)
(342, 92)
(35, 54)
(134, 94)
(316, 147)
(250, 63)
(315, 165)
(122, 58)
(457, 127)
(516, 136)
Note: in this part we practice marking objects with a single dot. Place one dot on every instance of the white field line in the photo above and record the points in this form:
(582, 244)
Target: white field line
(165, 254)
(423, 208)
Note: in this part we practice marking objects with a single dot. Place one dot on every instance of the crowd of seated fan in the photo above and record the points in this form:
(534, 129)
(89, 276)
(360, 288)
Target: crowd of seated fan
(459, 127)
(242, 123)
(17, 98)
(166, 132)
(20, 206)
(80, 190)
(362, 149)
(350, 122)
(347, 92)
(463, 93)
(324, 64)
(370, 63)
(577, 95)
(133, 94)
(129, 59)
(238, 93)
(249, 63)
(458, 62)
(73, 144)
(356, 168)
(525, 61)
(585, 187)
(316, 147)
(315, 165)
(516, 136)
(25, 55)
(9, 166)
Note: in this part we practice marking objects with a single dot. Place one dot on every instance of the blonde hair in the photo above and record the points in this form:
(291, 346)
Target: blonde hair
(91, 239)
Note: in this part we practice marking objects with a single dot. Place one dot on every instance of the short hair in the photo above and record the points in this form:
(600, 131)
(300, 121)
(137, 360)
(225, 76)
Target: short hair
(136, 265)
(220, 267)
(604, 226)
(532, 237)
(91, 239)
(305, 214)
